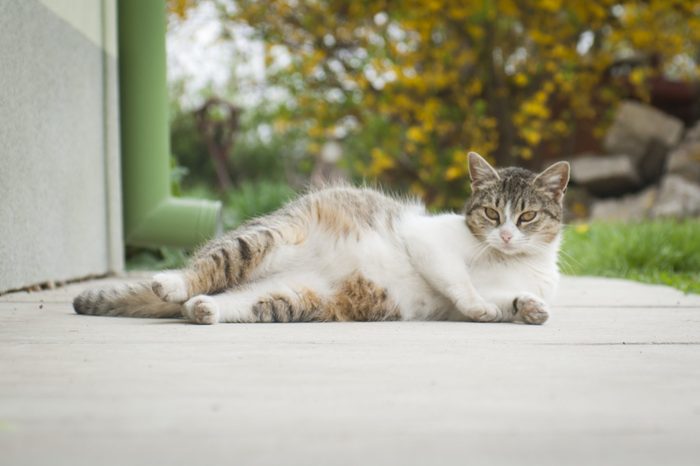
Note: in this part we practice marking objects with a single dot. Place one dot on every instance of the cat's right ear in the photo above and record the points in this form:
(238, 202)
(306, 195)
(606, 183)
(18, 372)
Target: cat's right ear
(480, 171)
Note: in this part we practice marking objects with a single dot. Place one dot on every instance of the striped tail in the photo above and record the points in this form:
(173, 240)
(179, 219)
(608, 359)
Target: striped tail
(134, 300)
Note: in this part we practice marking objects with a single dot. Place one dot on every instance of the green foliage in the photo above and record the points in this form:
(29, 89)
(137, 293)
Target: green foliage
(156, 259)
(250, 199)
(188, 148)
(254, 199)
(664, 252)
(258, 153)
(177, 174)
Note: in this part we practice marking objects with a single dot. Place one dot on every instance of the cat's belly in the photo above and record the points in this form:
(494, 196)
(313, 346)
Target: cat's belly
(387, 264)
(377, 258)
(415, 299)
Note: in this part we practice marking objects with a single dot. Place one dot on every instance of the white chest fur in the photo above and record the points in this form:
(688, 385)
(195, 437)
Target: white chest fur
(454, 264)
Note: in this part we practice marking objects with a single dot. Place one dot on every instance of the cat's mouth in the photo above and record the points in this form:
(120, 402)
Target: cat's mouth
(508, 249)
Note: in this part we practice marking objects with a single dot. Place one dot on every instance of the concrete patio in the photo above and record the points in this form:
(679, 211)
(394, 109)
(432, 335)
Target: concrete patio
(612, 378)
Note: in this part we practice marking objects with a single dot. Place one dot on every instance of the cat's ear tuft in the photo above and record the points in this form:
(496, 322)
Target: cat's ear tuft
(480, 171)
(554, 179)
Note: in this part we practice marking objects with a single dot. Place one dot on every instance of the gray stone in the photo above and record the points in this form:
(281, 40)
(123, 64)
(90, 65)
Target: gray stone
(651, 165)
(678, 198)
(608, 175)
(578, 203)
(636, 125)
(693, 134)
(685, 160)
(627, 208)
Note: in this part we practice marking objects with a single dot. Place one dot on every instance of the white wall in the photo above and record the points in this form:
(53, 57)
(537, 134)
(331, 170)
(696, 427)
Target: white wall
(60, 202)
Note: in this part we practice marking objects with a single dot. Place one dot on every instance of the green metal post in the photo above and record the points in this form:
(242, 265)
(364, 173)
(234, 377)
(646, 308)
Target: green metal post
(152, 217)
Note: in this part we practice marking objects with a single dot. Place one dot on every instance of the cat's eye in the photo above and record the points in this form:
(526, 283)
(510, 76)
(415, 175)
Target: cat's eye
(527, 216)
(492, 214)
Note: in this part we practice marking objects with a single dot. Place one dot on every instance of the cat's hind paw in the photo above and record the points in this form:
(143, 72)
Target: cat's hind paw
(170, 287)
(202, 309)
(531, 309)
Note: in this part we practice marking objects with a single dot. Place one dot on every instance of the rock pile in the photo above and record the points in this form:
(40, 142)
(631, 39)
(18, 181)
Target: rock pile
(651, 168)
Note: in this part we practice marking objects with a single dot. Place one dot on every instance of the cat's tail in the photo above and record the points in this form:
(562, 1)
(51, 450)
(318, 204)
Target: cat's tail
(129, 300)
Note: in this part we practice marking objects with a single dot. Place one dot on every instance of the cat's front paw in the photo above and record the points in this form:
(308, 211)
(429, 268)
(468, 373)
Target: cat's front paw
(483, 311)
(170, 287)
(531, 309)
(202, 309)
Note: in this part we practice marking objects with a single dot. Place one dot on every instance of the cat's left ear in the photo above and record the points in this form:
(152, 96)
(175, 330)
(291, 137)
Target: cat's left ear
(554, 180)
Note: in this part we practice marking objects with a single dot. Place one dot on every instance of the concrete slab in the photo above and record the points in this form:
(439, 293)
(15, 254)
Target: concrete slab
(612, 378)
(611, 292)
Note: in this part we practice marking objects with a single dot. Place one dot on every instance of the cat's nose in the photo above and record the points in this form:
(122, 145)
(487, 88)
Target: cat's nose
(506, 236)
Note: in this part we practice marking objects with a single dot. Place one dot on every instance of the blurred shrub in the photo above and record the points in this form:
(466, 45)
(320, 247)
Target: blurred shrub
(412, 86)
(249, 199)
(254, 156)
(253, 199)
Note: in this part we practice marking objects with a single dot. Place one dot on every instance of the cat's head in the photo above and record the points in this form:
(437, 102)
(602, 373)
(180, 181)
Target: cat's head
(514, 210)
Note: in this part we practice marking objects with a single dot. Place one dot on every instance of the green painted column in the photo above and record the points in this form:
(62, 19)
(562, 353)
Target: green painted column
(152, 216)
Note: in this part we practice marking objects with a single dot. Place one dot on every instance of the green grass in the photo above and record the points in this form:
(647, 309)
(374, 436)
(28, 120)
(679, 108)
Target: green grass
(666, 252)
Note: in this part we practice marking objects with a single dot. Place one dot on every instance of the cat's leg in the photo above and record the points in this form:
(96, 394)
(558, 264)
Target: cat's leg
(452, 280)
(281, 299)
(445, 271)
(225, 262)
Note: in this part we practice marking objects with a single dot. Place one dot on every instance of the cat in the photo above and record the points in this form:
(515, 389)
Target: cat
(356, 254)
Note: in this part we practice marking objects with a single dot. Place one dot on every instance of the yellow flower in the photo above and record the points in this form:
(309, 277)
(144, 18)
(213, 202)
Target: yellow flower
(474, 87)
(560, 127)
(642, 37)
(416, 134)
(475, 31)
(535, 108)
(380, 163)
(180, 7)
(638, 76)
(453, 173)
(316, 131)
(313, 148)
(520, 79)
(582, 228)
(550, 5)
(531, 136)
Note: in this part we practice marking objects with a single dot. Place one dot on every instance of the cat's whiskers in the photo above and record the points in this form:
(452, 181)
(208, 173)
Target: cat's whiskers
(483, 247)
(563, 258)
